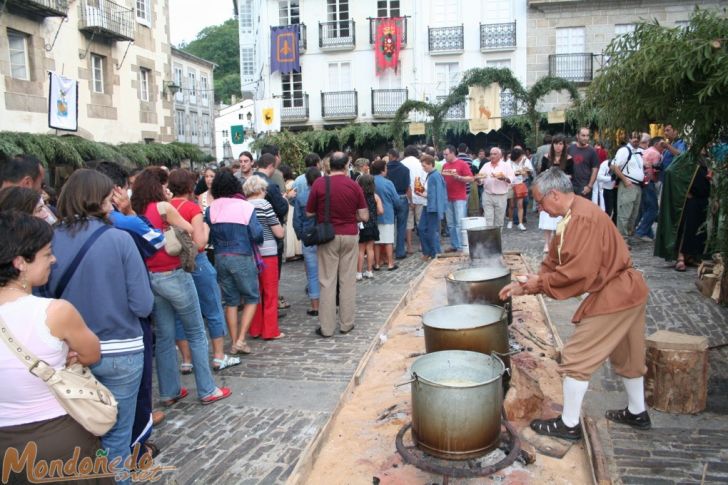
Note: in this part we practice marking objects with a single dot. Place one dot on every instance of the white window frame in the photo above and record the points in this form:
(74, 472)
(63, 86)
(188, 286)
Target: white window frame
(194, 125)
(143, 10)
(385, 8)
(180, 122)
(292, 97)
(97, 73)
(247, 62)
(444, 13)
(339, 11)
(289, 12)
(192, 85)
(204, 87)
(144, 81)
(246, 16)
(206, 138)
(179, 81)
(450, 78)
(341, 83)
(570, 33)
(23, 37)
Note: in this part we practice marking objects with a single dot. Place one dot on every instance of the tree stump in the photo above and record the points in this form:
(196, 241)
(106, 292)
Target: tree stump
(677, 372)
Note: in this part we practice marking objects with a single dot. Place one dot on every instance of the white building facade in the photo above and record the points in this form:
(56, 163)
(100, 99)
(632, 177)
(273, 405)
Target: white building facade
(118, 51)
(194, 100)
(338, 83)
(230, 123)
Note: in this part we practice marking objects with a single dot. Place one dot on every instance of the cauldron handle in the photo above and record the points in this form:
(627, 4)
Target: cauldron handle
(506, 307)
(414, 378)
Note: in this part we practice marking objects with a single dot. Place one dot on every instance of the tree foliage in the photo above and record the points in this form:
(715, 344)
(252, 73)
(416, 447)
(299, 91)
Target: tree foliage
(220, 44)
(667, 74)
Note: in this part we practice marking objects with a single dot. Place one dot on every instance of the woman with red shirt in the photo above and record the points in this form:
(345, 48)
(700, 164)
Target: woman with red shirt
(174, 295)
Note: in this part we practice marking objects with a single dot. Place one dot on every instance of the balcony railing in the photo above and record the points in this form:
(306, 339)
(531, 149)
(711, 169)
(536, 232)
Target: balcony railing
(577, 68)
(386, 102)
(445, 40)
(495, 37)
(302, 41)
(373, 29)
(508, 105)
(337, 35)
(106, 18)
(456, 112)
(43, 8)
(294, 107)
(339, 105)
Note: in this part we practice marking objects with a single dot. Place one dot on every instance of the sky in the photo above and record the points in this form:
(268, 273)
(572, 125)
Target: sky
(188, 17)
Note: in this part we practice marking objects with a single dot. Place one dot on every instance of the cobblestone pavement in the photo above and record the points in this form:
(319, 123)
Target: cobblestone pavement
(679, 448)
(283, 393)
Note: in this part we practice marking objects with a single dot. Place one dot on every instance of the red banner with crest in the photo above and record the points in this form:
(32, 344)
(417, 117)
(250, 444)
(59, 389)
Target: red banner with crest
(388, 43)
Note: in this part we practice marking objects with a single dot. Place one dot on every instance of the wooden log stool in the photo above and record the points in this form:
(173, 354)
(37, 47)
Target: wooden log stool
(677, 372)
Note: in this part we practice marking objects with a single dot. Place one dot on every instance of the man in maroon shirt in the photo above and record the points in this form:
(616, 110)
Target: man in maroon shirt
(337, 258)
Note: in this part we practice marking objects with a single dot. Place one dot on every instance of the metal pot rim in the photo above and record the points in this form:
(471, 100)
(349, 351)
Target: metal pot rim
(497, 271)
(458, 353)
(491, 315)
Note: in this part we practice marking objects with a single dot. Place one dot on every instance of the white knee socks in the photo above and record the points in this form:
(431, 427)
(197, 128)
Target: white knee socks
(573, 396)
(635, 394)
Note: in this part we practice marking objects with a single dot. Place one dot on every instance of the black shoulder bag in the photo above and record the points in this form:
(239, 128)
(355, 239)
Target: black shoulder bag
(321, 232)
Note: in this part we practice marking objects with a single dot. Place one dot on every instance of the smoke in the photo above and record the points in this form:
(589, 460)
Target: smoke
(485, 247)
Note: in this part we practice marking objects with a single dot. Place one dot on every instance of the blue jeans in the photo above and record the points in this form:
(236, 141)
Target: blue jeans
(429, 227)
(208, 292)
(649, 211)
(400, 218)
(122, 375)
(175, 294)
(456, 211)
(310, 259)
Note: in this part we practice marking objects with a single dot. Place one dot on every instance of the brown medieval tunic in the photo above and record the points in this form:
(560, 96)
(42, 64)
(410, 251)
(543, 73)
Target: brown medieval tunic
(588, 255)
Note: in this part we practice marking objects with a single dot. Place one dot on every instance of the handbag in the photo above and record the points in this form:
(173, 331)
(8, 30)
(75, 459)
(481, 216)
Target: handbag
(520, 191)
(181, 242)
(75, 388)
(321, 232)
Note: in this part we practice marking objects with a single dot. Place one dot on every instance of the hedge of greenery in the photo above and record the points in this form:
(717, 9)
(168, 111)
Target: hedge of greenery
(72, 150)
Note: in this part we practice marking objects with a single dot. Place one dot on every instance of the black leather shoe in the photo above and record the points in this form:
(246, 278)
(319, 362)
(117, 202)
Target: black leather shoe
(556, 428)
(623, 416)
(321, 334)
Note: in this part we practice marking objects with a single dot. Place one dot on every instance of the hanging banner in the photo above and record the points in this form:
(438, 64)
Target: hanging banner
(284, 55)
(62, 103)
(237, 134)
(556, 116)
(416, 129)
(268, 115)
(485, 112)
(388, 43)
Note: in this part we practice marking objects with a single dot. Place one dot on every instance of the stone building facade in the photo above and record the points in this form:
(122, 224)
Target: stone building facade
(566, 38)
(194, 100)
(119, 51)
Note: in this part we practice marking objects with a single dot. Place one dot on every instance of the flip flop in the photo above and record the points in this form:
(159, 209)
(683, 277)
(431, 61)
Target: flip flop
(182, 394)
(220, 394)
(225, 362)
(185, 368)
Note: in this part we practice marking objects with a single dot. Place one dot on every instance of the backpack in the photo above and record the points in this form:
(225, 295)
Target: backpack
(613, 175)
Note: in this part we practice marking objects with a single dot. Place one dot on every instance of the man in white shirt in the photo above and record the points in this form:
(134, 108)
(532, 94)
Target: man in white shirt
(627, 164)
(411, 160)
(496, 177)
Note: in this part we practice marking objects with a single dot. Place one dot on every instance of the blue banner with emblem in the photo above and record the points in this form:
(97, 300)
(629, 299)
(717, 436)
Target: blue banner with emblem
(284, 56)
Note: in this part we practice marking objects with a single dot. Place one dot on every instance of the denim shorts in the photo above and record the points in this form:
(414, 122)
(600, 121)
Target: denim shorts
(238, 279)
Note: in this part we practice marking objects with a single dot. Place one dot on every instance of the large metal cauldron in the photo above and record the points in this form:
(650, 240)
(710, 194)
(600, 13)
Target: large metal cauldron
(477, 285)
(484, 242)
(479, 328)
(456, 403)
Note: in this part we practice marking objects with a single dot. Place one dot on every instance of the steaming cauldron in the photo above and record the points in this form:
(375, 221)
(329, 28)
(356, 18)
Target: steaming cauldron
(478, 328)
(478, 285)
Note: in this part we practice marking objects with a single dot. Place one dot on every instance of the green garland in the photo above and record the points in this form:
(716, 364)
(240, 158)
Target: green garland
(72, 150)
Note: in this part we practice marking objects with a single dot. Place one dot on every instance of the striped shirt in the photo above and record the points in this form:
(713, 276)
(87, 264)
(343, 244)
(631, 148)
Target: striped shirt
(267, 218)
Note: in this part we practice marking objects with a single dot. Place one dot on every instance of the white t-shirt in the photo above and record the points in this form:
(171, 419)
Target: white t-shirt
(633, 169)
(415, 170)
(520, 168)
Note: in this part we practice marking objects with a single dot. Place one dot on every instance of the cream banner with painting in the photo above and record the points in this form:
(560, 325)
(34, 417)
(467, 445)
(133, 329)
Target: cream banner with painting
(268, 115)
(485, 113)
(63, 103)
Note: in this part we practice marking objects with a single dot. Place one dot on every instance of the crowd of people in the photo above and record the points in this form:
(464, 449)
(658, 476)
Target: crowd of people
(126, 269)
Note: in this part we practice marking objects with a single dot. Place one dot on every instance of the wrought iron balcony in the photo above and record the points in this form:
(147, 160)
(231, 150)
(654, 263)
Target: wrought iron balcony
(337, 35)
(386, 102)
(339, 105)
(294, 107)
(107, 18)
(373, 29)
(495, 37)
(445, 40)
(577, 68)
(43, 8)
(456, 112)
(508, 104)
(302, 41)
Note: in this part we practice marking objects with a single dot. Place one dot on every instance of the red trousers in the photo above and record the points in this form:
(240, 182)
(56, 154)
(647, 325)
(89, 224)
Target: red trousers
(265, 321)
